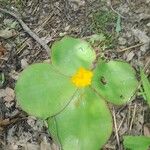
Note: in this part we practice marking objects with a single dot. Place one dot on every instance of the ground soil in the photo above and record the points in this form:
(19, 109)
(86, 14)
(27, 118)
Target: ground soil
(51, 20)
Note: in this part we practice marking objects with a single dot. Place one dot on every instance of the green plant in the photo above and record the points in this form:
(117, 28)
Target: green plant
(136, 142)
(146, 86)
(140, 142)
(104, 22)
(71, 95)
(2, 79)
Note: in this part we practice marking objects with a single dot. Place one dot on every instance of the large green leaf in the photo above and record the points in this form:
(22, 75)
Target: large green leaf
(115, 81)
(136, 142)
(69, 54)
(146, 86)
(41, 91)
(85, 124)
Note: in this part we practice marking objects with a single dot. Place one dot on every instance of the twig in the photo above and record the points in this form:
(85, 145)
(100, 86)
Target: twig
(146, 65)
(27, 29)
(129, 114)
(37, 30)
(128, 48)
(121, 123)
(133, 116)
(116, 129)
(110, 4)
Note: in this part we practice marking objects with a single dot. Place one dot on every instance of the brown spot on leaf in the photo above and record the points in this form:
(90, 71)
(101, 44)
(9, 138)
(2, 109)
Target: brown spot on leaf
(121, 96)
(103, 80)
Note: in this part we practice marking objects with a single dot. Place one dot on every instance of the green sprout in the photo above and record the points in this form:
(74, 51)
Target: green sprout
(140, 142)
(136, 142)
(146, 86)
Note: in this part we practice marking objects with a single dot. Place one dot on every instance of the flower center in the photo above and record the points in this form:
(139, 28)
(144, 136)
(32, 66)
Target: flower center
(82, 77)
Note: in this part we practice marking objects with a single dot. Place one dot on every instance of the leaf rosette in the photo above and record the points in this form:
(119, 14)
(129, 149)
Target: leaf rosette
(72, 95)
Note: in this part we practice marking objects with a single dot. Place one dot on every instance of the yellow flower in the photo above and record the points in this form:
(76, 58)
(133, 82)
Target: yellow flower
(82, 77)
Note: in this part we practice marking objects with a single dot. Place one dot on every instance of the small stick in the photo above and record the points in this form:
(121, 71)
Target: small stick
(37, 30)
(121, 123)
(146, 65)
(110, 3)
(27, 29)
(116, 129)
(128, 48)
(134, 112)
(129, 114)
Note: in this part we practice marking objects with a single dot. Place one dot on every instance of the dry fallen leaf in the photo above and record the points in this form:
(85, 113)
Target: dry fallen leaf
(147, 129)
(55, 147)
(144, 16)
(2, 93)
(2, 50)
(31, 146)
(8, 94)
(4, 122)
(130, 55)
(14, 75)
(7, 33)
(44, 145)
(24, 63)
(143, 38)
